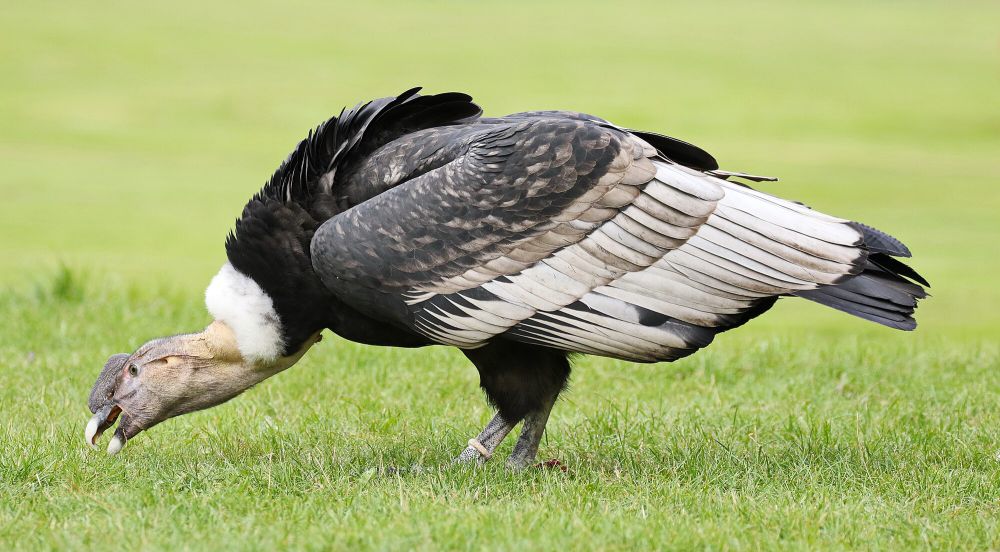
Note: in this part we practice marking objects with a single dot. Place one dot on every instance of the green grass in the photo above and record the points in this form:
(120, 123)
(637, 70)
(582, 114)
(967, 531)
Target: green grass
(132, 133)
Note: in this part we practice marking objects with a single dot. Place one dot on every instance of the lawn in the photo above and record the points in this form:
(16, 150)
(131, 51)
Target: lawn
(132, 133)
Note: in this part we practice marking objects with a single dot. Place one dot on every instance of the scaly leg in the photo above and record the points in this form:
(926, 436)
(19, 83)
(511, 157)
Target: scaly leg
(531, 435)
(522, 381)
(481, 448)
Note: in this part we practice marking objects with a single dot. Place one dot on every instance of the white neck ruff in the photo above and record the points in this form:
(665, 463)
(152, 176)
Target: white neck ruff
(237, 300)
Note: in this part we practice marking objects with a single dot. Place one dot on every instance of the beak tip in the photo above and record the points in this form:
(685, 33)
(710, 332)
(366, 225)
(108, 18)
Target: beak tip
(91, 431)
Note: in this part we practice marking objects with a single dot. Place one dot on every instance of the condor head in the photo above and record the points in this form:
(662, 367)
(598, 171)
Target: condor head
(171, 376)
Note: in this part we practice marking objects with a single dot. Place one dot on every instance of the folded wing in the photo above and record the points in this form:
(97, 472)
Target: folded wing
(579, 236)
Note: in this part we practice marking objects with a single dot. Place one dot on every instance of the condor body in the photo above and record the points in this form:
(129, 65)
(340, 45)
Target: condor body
(413, 221)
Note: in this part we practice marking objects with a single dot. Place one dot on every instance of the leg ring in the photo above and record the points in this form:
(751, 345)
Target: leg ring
(474, 443)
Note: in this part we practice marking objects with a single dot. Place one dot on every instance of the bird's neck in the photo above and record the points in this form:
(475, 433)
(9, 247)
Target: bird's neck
(260, 331)
(268, 292)
(239, 302)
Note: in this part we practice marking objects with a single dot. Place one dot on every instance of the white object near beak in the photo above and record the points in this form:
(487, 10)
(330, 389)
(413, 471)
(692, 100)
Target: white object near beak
(115, 445)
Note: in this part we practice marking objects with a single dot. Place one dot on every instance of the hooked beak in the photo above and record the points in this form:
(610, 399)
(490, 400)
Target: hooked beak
(106, 411)
(106, 418)
(102, 420)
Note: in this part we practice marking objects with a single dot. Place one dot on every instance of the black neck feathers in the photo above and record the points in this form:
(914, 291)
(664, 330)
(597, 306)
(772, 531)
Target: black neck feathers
(270, 242)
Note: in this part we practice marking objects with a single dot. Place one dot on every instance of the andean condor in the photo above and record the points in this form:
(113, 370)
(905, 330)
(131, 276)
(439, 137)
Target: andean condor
(413, 220)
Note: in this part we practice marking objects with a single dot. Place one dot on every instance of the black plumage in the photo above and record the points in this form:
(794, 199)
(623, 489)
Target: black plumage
(412, 221)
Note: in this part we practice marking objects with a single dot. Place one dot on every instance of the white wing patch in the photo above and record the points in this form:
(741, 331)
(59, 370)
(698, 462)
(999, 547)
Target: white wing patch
(644, 272)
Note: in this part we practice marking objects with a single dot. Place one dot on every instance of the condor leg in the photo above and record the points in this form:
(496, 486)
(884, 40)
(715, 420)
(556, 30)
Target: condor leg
(481, 448)
(522, 381)
(531, 435)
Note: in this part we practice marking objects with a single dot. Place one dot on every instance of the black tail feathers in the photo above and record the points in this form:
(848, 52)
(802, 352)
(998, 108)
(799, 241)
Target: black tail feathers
(886, 291)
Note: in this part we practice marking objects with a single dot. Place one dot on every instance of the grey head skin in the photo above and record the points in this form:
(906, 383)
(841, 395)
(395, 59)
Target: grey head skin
(170, 376)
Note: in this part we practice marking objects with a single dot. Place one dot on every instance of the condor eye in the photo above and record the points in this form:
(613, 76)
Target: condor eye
(133, 370)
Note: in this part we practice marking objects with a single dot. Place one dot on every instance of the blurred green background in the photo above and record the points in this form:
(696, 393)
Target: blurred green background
(132, 133)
